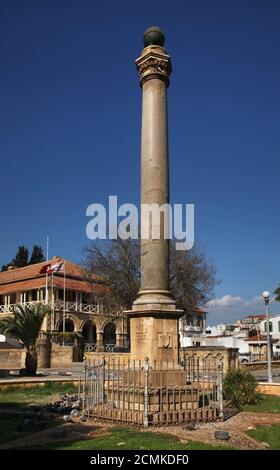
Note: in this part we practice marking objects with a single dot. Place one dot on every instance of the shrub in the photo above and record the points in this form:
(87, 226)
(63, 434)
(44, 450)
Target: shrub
(240, 386)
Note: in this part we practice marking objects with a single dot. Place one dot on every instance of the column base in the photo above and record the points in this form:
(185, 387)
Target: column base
(155, 297)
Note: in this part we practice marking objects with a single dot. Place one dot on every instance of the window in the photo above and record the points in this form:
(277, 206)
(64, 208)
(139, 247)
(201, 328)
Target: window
(34, 294)
(60, 294)
(270, 326)
(279, 326)
(70, 296)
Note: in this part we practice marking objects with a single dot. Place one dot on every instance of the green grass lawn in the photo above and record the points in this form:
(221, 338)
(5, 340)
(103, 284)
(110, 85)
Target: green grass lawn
(269, 434)
(132, 440)
(18, 400)
(268, 404)
(12, 427)
(20, 397)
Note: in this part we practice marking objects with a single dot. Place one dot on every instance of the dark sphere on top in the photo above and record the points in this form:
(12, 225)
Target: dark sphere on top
(153, 36)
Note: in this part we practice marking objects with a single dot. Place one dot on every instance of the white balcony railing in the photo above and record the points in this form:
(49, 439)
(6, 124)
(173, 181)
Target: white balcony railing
(193, 328)
(58, 305)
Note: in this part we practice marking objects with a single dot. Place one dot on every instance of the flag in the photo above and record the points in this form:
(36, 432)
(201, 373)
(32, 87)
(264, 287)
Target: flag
(55, 267)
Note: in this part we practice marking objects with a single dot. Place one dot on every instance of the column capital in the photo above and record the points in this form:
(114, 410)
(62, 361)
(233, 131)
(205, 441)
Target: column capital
(154, 63)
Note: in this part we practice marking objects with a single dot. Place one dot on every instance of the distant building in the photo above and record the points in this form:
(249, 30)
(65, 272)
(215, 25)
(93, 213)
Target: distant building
(233, 341)
(61, 284)
(248, 335)
(250, 322)
(191, 326)
(274, 326)
(222, 330)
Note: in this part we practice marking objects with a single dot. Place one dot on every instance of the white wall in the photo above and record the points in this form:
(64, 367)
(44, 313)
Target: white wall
(228, 342)
(186, 341)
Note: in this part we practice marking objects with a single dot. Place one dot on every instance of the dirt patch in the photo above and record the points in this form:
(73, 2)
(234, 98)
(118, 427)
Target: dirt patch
(236, 426)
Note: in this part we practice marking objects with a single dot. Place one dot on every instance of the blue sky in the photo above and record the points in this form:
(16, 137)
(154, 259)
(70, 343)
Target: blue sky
(70, 121)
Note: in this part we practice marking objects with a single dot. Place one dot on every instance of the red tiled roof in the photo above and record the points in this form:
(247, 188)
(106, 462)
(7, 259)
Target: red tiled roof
(256, 338)
(34, 276)
(39, 269)
(259, 316)
(200, 310)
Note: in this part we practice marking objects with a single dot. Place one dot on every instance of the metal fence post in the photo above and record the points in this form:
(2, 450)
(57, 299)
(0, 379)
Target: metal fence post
(220, 390)
(84, 388)
(104, 377)
(146, 392)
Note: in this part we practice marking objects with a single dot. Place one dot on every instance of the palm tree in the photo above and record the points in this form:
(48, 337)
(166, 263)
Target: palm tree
(277, 293)
(25, 325)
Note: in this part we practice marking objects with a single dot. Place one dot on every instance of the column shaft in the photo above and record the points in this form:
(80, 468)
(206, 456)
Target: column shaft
(154, 183)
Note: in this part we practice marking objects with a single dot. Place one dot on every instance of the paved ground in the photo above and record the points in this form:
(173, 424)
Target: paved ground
(45, 375)
(261, 375)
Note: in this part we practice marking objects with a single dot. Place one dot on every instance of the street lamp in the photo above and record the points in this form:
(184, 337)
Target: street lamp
(266, 301)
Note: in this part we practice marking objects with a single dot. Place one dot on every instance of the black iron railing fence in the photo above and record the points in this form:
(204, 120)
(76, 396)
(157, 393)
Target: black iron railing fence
(145, 392)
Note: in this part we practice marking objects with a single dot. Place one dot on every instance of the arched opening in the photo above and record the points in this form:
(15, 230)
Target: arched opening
(109, 337)
(89, 332)
(69, 325)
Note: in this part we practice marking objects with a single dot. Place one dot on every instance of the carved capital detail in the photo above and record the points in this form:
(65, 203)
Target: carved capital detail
(154, 65)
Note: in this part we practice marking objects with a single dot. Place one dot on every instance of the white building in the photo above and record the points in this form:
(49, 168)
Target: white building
(274, 327)
(191, 326)
(236, 341)
(222, 330)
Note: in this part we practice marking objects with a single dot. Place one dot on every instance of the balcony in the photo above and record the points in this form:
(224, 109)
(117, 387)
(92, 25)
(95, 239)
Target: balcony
(58, 305)
(191, 330)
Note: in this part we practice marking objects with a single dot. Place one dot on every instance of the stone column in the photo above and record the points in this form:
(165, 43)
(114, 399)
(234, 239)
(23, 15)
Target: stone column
(154, 317)
(154, 67)
(120, 340)
(99, 342)
(204, 322)
(44, 353)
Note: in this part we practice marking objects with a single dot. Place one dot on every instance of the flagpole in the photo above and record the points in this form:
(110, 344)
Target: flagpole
(47, 252)
(64, 303)
(46, 293)
(52, 319)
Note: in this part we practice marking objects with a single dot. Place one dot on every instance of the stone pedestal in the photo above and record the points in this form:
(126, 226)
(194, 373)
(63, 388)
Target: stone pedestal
(154, 334)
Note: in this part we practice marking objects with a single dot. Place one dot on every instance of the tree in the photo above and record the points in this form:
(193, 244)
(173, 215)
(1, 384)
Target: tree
(22, 255)
(37, 255)
(277, 293)
(21, 258)
(25, 325)
(192, 277)
(117, 263)
(5, 267)
(113, 270)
